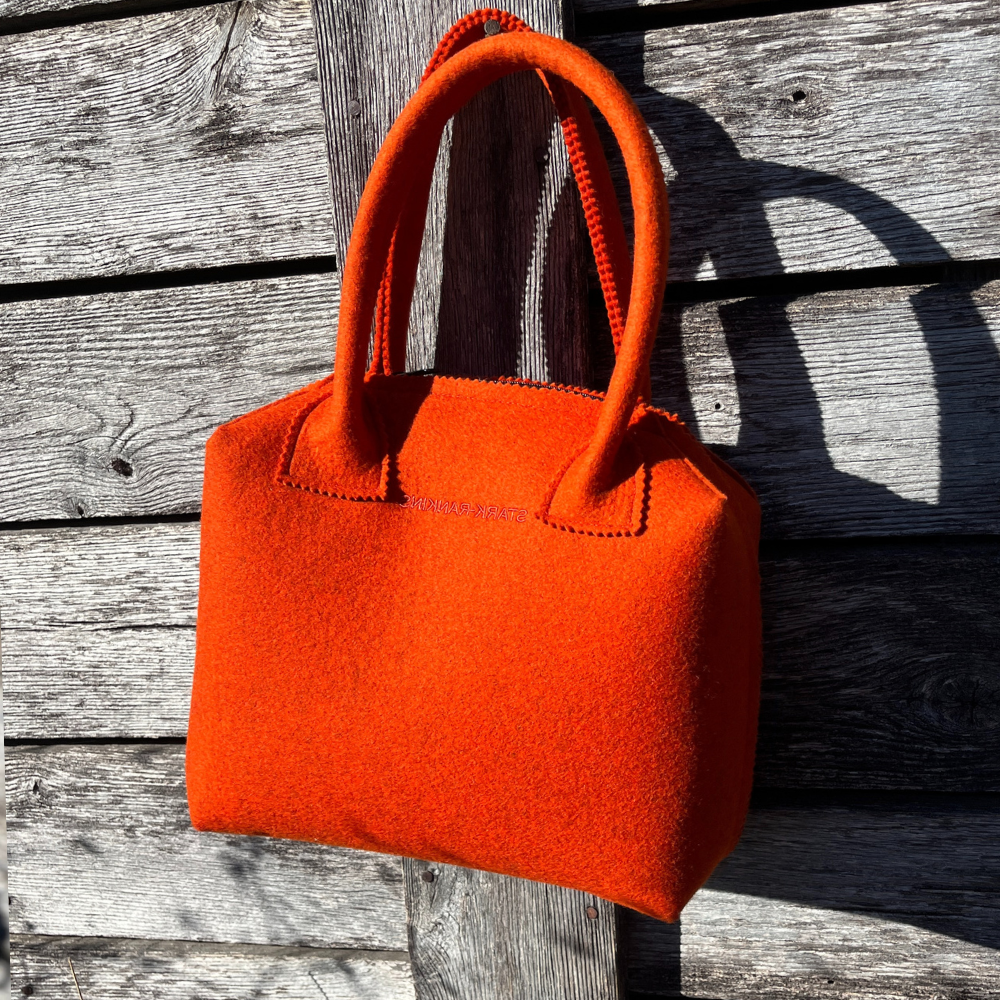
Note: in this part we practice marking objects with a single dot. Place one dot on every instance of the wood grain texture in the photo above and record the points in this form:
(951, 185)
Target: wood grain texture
(185, 139)
(501, 288)
(18, 16)
(889, 897)
(881, 666)
(883, 898)
(836, 138)
(99, 844)
(482, 936)
(122, 969)
(880, 658)
(889, 156)
(839, 896)
(872, 412)
(108, 399)
(97, 631)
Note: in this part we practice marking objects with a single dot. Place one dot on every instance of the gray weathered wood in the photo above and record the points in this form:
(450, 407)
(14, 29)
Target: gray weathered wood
(894, 897)
(501, 288)
(97, 631)
(881, 669)
(24, 8)
(881, 666)
(870, 412)
(27, 8)
(122, 969)
(874, 411)
(230, 172)
(184, 139)
(108, 399)
(835, 138)
(889, 899)
(880, 658)
(839, 897)
(481, 936)
(99, 844)
(17, 16)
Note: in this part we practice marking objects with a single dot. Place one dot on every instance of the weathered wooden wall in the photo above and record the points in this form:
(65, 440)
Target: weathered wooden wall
(168, 259)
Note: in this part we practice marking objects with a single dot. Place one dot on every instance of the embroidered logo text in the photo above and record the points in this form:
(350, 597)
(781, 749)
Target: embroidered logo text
(489, 512)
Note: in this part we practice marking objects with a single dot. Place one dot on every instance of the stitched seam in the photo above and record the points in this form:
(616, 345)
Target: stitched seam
(509, 380)
(292, 440)
(639, 503)
(286, 480)
(292, 435)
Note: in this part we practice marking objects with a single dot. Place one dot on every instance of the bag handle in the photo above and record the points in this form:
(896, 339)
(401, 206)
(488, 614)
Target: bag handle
(593, 179)
(342, 431)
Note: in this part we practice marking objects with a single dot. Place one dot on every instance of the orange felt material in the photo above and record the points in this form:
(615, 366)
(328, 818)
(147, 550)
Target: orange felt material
(504, 624)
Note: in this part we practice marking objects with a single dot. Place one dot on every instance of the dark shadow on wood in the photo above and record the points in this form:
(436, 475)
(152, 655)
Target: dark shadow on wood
(86, 13)
(650, 16)
(927, 860)
(881, 665)
(653, 956)
(494, 293)
(784, 414)
(875, 869)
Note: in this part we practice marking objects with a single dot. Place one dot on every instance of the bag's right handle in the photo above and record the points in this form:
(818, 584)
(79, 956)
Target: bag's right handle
(590, 170)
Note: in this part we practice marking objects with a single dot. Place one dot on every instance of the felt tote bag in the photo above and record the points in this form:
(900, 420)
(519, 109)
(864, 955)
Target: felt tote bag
(504, 624)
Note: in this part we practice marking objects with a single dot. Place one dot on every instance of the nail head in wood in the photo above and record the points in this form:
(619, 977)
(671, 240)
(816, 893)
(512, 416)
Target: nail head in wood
(354, 108)
(427, 876)
(592, 912)
(492, 27)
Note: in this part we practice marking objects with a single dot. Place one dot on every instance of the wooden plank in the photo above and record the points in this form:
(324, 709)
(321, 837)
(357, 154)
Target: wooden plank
(100, 844)
(98, 631)
(869, 412)
(173, 140)
(845, 898)
(892, 897)
(98, 642)
(860, 412)
(501, 201)
(552, 942)
(109, 399)
(881, 667)
(785, 181)
(824, 139)
(121, 969)
(501, 288)
(35, 15)
(839, 896)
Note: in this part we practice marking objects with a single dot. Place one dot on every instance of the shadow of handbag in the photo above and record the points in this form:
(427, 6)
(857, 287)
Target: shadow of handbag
(504, 624)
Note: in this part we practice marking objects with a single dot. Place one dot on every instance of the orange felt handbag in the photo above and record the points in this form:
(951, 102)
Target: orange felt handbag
(504, 624)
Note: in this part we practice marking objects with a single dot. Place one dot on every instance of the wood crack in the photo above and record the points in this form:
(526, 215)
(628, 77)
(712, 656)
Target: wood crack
(219, 65)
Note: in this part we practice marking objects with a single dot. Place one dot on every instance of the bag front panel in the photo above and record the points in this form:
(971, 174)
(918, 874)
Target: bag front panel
(465, 685)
